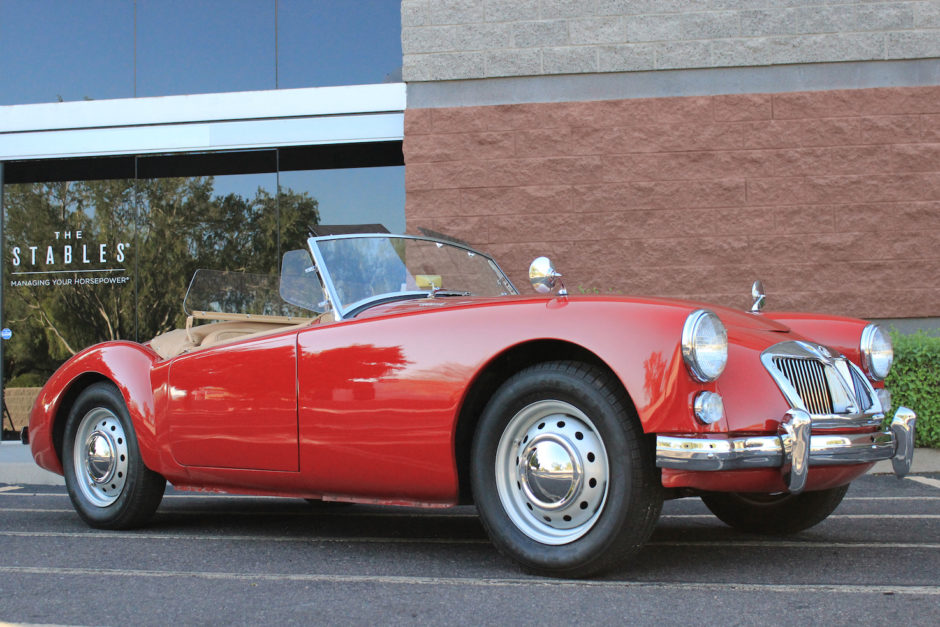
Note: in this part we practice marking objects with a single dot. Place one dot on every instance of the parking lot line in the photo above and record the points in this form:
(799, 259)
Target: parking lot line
(799, 589)
(255, 538)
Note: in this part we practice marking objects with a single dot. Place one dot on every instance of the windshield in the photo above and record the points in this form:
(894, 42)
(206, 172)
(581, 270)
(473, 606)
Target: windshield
(363, 270)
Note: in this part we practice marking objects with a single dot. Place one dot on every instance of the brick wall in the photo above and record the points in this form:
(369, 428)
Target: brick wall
(832, 198)
(462, 39)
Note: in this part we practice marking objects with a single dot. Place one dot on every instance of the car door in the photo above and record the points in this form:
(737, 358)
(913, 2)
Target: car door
(235, 405)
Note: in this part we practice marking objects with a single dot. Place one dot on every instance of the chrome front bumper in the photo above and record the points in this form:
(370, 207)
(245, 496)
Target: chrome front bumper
(795, 450)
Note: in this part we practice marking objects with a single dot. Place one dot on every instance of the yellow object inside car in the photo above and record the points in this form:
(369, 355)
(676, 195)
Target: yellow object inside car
(429, 281)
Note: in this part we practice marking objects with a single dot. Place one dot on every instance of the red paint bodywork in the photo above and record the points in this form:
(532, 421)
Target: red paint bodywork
(367, 409)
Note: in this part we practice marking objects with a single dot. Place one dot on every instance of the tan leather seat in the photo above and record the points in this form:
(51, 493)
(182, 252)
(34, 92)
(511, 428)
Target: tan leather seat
(171, 343)
(179, 341)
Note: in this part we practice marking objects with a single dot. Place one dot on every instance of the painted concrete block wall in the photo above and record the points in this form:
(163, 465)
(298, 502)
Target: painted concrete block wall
(467, 39)
(832, 198)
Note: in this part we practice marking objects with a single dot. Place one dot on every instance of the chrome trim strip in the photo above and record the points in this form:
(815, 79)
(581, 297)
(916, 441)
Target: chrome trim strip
(772, 451)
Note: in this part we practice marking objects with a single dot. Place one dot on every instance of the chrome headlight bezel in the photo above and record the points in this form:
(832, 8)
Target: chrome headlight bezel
(704, 345)
(877, 351)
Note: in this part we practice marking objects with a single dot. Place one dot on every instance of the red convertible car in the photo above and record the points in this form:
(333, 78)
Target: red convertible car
(408, 370)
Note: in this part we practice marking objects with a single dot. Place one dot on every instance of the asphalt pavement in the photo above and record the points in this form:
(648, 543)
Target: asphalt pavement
(17, 465)
(230, 560)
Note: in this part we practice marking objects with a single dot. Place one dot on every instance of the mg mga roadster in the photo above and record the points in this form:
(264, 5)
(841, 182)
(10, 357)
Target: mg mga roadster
(408, 370)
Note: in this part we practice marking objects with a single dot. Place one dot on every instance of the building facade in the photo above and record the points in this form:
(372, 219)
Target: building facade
(686, 148)
(663, 147)
(143, 139)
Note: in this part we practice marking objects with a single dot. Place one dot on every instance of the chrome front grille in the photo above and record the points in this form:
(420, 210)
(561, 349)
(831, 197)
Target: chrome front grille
(809, 379)
(833, 390)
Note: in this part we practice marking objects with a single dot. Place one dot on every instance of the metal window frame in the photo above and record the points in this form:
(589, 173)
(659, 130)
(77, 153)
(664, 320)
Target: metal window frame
(203, 122)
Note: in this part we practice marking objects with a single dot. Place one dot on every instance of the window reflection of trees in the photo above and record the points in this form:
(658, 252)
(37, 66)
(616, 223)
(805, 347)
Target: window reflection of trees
(173, 226)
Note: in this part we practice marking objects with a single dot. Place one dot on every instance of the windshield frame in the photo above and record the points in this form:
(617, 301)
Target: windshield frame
(343, 311)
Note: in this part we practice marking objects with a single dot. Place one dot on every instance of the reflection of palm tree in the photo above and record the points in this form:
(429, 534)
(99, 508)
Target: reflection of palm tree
(361, 364)
(654, 369)
(169, 227)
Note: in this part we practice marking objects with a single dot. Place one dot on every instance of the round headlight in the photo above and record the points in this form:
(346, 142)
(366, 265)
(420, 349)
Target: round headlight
(704, 345)
(877, 351)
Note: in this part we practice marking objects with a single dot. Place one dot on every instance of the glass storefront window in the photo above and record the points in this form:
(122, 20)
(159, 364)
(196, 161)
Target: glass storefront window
(95, 260)
(355, 195)
(338, 42)
(100, 259)
(99, 49)
(68, 273)
(201, 222)
(204, 46)
(54, 50)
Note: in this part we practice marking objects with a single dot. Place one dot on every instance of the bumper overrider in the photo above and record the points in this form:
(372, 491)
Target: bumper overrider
(795, 450)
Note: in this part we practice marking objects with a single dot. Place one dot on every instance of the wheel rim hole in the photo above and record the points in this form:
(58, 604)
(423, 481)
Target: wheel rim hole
(583, 505)
(525, 439)
(567, 518)
(113, 428)
(120, 475)
(547, 518)
(590, 457)
(561, 424)
(592, 482)
(120, 440)
(541, 425)
(122, 458)
(529, 505)
(578, 435)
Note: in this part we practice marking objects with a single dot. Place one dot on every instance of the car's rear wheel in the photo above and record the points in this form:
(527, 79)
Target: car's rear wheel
(108, 483)
(774, 513)
(562, 474)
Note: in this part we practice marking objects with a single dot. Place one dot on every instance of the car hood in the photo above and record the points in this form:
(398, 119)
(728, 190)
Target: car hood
(732, 318)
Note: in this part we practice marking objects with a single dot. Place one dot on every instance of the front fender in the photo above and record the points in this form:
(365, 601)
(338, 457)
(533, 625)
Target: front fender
(837, 332)
(125, 364)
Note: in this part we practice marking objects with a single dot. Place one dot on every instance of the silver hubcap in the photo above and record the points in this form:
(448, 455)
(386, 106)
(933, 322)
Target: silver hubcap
(99, 457)
(551, 472)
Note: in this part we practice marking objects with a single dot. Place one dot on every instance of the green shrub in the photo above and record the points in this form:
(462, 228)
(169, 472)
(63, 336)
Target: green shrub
(914, 382)
(27, 380)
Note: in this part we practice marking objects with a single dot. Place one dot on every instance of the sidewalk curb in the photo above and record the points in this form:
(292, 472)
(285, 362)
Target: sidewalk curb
(17, 466)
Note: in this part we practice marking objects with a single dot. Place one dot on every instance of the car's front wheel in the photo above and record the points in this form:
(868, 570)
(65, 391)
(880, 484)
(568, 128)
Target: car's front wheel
(562, 474)
(108, 483)
(778, 514)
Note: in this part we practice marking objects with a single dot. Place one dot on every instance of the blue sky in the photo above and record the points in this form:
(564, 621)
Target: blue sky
(77, 49)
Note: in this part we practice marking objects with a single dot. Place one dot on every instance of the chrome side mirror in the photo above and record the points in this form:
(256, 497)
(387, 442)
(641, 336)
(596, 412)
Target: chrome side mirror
(542, 276)
(757, 293)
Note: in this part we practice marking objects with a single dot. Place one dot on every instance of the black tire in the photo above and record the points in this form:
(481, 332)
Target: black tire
(106, 479)
(775, 514)
(575, 522)
(321, 504)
